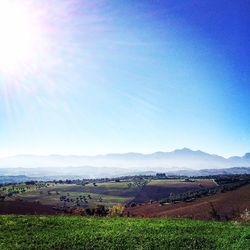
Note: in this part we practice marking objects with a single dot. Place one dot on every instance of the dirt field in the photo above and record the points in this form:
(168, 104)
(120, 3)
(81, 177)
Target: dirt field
(228, 205)
(23, 208)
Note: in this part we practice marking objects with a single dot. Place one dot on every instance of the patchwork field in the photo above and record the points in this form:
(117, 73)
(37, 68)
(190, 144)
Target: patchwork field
(70, 232)
(106, 193)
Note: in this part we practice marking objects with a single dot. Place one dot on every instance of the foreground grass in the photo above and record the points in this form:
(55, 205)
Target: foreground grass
(69, 232)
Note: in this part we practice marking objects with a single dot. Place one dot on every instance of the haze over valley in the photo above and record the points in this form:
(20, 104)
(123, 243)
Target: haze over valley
(181, 161)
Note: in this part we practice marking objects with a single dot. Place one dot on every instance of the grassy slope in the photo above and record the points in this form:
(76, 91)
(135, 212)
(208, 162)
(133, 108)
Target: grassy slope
(62, 232)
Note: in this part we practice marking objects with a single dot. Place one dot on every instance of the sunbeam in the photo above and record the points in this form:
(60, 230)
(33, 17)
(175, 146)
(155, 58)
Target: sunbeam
(19, 33)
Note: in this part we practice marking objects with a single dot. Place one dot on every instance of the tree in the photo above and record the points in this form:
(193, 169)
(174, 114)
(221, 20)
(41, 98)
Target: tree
(100, 210)
(161, 176)
(213, 212)
(2, 197)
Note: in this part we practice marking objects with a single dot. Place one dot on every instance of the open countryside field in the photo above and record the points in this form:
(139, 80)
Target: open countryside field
(228, 205)
(71, 232)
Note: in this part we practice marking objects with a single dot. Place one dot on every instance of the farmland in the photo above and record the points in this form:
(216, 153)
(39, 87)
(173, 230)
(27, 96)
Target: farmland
(141, 197)
(70, 232)
(90, 194)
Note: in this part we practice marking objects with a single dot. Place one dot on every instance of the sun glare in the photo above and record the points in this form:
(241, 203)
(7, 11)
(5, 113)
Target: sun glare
(17, 36)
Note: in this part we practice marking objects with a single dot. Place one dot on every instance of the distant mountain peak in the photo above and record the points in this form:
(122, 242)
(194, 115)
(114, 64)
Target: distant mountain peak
(247, 156)
(183, 150)
(189, 151)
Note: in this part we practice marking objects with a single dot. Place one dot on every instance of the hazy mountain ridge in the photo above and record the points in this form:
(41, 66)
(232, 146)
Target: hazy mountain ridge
(180, 159)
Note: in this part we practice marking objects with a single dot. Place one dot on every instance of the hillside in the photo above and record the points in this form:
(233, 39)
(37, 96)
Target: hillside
(63, 232)
(228, 205)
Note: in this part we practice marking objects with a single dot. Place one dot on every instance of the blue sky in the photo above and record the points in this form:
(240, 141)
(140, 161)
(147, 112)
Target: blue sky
(121, 76)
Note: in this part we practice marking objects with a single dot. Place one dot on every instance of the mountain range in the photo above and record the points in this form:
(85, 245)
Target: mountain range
(180, 159)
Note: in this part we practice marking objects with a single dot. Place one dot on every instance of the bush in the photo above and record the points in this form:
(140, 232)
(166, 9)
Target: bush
(116, 210)
(245, 216)
(133, 204)
(78, 211)
(98, 210)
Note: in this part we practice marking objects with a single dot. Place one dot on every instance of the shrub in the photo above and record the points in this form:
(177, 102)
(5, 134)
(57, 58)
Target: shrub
(98, 210)
(116, 210)
(245, 216)
(78, 211)
(133, 204)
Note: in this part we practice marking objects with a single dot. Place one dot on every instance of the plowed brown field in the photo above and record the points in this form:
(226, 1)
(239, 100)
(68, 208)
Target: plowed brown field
(23, 208)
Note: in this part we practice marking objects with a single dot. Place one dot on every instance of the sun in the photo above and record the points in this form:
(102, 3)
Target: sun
(18, 36)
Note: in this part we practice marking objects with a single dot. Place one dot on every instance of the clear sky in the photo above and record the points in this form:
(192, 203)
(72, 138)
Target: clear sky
(117, 76)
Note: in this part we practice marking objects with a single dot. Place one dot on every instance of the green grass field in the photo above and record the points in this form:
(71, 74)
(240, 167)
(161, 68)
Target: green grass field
(64, 232)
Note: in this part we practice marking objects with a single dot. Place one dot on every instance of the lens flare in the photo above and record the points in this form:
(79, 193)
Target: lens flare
(18, 34)
(35, 44)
